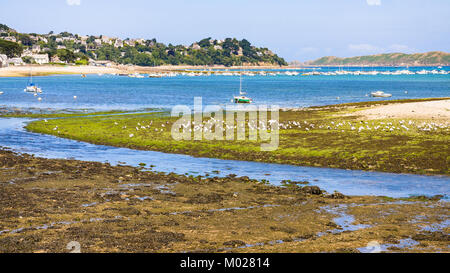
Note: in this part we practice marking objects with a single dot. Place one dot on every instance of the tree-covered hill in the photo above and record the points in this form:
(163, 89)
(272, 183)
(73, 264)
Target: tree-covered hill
(70, 48)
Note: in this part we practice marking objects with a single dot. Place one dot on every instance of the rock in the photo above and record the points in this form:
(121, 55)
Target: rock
(337, 195)
(234, 243)
(312, 190)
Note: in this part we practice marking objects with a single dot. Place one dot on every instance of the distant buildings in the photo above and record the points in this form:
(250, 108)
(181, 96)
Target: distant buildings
(36, 48)
(10, 38)
(118, 43)
(3, 60)
(40, 58)
(15, 61)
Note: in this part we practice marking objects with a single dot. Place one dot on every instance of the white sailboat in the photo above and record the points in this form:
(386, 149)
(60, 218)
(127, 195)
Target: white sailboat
(31, 87)
(241, 98)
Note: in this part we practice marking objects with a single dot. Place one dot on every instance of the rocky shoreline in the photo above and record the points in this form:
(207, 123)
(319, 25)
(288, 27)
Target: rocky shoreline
(48, 203)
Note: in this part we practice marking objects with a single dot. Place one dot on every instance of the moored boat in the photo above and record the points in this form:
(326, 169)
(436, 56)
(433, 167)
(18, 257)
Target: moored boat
(380, 94)
(241, 98)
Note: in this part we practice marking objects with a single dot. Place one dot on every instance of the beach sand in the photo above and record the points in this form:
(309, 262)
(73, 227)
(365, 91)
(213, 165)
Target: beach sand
(45, 70)
(435, 110)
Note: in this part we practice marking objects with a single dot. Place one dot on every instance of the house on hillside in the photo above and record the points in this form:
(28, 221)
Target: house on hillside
(106, 40)
(10, 38)
(40, 58)
(36, 48)
(3, 60)
(55, 59)
(15, 61)
(118, 43)
(98, 42)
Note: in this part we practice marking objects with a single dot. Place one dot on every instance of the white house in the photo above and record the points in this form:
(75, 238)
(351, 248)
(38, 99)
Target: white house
(15, 61)
(40, 58)
(10, 38)
(98, 42)
(106, 40)
(118, 43)
(3, 60)
(36, 48)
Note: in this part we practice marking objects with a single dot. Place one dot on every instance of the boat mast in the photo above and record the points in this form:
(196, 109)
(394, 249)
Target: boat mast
(240, 83)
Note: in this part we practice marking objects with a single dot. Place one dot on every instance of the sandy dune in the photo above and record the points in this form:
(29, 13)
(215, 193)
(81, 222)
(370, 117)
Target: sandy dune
(437, 110)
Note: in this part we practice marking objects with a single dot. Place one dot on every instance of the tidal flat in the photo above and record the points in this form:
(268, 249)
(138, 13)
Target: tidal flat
(335, 136)
(48, 203)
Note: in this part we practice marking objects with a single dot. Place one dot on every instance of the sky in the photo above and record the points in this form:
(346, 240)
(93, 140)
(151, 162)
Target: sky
(294, 29)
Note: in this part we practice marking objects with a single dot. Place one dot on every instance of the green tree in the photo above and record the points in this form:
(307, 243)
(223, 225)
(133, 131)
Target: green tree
(66, 55)
(10, 49)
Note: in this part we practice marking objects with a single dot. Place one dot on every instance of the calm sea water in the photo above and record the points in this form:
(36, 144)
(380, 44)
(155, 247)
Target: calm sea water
(109, 92)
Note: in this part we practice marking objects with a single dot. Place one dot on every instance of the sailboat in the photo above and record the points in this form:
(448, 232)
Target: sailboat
(241, 98)
(31, 87)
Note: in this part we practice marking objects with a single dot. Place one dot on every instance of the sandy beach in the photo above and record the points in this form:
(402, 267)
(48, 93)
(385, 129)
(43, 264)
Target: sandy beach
(45, 70)
(435, 110)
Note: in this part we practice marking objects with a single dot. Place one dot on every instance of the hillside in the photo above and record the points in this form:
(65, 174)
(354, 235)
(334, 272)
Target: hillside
(390, 59)
(66, 47)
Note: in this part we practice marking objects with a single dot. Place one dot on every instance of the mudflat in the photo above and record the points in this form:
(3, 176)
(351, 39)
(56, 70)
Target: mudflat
(47, 204)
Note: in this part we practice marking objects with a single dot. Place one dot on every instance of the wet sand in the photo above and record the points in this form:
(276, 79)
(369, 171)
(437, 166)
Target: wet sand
(45, 204)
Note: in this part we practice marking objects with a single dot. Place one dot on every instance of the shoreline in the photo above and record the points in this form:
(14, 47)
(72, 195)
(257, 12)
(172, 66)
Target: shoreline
(48, 70)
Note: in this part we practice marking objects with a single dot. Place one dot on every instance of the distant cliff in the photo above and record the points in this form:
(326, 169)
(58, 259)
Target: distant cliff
(390, 59)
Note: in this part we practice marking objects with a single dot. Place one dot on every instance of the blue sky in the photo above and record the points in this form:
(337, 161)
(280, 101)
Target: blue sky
(295, 29)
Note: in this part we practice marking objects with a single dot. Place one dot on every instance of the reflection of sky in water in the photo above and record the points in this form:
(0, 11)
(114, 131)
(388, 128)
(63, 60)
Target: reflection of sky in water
(346, 181)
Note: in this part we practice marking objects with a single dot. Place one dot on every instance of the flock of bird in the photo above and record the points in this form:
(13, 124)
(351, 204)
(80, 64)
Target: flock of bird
(210, 125)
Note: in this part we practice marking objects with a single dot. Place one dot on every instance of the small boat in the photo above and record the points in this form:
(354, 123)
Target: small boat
(31, 87)
(83, 75)
(380, 94)
(241, 98)
(1, 92)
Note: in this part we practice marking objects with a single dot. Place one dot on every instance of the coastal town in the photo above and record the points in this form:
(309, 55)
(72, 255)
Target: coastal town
(18, 49)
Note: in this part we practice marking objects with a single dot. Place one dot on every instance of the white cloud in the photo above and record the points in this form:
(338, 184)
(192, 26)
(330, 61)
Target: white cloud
(367, 48)
(373, 2)
(73, 2)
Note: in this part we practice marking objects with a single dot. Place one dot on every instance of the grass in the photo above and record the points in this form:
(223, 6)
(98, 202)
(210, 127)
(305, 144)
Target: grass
(8, 113)
(326, 144)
